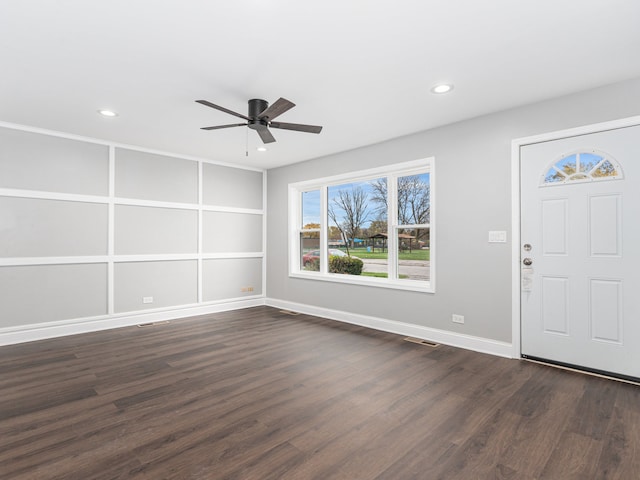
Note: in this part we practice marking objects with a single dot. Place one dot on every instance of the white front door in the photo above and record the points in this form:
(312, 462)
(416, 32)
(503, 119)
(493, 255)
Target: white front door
(580, 236)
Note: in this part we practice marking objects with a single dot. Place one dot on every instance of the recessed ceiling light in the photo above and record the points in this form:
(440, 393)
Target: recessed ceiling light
(442, 88)
(107, 113)
(262, 149)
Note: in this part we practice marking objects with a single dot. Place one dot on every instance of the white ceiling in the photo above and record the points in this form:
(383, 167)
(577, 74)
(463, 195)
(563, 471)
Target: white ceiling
(361, 68)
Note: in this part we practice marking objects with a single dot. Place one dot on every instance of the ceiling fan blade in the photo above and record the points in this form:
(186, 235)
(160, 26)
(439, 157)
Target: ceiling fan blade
(298, 127)
(277, 108)
(265, 135)
(224, 126)
(222, 109)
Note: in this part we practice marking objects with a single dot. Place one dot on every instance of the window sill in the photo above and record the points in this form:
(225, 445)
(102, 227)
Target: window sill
(408, 285)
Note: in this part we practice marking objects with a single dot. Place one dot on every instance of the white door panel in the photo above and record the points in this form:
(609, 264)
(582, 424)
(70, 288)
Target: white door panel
(581, 305)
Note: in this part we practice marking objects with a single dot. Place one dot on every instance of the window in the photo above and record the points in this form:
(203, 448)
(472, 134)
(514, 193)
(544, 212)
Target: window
(310, 231)
(371, 227)
(583, 166)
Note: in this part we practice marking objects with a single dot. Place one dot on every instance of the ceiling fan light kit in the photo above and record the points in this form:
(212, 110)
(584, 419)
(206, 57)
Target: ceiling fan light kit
(260, 116)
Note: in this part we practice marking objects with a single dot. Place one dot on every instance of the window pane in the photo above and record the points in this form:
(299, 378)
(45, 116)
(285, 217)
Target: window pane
(413, 254)
(375, 253)
(311, 209)
(554, 176)
(605, 169)
(567, 164)
(414, 199)
(588, 161)
(310, 251)
(357, 228)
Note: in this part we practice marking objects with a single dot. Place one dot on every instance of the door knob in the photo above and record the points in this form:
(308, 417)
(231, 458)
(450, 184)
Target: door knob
(527, 261)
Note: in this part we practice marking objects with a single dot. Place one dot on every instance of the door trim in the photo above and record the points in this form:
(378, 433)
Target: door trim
(516, 144)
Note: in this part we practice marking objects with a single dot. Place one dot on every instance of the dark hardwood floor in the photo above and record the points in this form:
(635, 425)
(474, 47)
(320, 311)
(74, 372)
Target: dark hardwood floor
(258, 394)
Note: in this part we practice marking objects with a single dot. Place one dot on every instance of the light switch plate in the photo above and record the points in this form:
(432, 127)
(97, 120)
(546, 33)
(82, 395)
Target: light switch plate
(497, 236)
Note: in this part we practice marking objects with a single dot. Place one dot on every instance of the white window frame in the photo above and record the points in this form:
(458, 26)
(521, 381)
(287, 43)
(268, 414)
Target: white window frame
(392, 172)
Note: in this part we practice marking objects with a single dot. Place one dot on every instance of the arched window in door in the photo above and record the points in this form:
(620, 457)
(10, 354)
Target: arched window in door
(582, 166)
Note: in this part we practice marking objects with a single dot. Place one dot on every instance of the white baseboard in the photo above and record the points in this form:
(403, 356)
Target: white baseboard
(41, 331)
(478, 344)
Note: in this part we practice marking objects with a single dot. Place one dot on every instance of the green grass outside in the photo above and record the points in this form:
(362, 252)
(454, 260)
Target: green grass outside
(406, 255)
(378, 275)
(374, 274)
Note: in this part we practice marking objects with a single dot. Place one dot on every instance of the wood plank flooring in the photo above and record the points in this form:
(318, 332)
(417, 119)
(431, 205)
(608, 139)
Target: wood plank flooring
(258, 394)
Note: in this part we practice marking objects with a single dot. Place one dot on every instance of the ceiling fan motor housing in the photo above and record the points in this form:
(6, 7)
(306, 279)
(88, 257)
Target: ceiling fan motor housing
(256, 107)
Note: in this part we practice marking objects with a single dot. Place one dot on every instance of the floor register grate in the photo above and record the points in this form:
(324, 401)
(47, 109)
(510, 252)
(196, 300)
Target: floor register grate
(421, 341)
(152, 324)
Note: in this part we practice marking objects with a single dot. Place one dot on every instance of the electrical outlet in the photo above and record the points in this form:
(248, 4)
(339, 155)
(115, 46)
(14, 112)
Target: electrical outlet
(147, 299)
(250, 289)
(457, 318)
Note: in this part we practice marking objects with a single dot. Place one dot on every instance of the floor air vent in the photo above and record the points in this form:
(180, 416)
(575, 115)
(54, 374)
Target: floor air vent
(421, 341)
(152, 324)
(289, 312)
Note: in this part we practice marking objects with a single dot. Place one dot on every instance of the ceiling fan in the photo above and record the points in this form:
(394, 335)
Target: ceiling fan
(260, 118)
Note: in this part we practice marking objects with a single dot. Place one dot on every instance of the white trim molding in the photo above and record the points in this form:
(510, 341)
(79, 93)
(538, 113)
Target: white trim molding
(468, 342)
(516, 145)
(62, 328)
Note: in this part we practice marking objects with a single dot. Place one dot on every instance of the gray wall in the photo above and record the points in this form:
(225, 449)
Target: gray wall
(168, 283)
(42, 228)
(473, 169)
(155, 177)
(231, 277)
(71, 250)
(221, 187)
(34, 294)
(151, 230)
(33, 161)
(231, 232)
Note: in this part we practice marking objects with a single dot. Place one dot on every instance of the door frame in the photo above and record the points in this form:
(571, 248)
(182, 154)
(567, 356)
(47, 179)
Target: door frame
(516, 144)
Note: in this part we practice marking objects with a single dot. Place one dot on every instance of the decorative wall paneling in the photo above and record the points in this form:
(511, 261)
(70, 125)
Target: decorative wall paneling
(93, 231)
